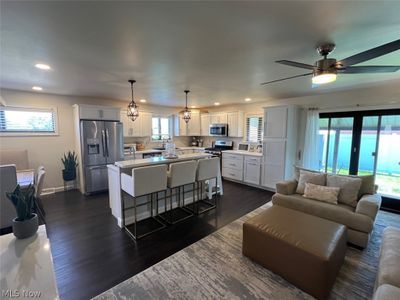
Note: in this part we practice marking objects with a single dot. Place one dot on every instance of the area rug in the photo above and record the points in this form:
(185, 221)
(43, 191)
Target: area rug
(214, 268)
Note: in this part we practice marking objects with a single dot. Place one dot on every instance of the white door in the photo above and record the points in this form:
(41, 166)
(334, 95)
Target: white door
(136, 126)
(275, 120)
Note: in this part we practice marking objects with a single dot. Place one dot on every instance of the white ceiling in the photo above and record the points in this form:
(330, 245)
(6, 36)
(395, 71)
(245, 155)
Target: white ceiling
(221, 51)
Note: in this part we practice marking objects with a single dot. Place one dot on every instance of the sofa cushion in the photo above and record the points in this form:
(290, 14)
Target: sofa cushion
(389, 267)
(349, 188)
(341, 213)
(322, 193)
(309, 177)
(387, 292)
(367, 185)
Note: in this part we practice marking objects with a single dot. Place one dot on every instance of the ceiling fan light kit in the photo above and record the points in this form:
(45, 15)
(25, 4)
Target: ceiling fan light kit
(325, 70)
(133, 109)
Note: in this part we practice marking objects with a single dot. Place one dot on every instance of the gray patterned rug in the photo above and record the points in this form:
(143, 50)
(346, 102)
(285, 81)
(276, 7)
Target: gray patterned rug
(214, 268)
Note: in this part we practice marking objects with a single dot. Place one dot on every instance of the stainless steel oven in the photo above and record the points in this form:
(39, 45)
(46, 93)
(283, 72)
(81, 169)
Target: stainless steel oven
(219, 129)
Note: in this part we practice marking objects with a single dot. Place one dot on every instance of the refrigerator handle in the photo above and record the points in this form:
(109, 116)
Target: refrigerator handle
(103, 142)
(107, 142)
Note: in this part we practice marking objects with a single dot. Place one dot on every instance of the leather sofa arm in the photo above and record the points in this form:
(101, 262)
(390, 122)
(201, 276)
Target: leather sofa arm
(286, 187)
(369, 205)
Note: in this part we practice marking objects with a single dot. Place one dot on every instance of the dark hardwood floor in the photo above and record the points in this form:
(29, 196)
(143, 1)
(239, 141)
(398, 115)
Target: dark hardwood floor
(92, 254)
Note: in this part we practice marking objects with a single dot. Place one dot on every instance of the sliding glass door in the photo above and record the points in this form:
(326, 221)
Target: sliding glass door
(363, 143)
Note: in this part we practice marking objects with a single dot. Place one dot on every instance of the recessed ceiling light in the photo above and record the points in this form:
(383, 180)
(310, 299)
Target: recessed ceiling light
(142, 100)
(37, 88)
(217, 103)
(247, 99)
(193, 106)
(43, 66)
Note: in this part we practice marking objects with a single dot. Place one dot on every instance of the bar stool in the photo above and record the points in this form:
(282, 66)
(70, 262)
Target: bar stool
(179, 175)
(207, 169)
(145, 181)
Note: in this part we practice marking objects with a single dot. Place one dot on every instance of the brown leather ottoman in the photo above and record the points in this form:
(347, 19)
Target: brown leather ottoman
(305, 250)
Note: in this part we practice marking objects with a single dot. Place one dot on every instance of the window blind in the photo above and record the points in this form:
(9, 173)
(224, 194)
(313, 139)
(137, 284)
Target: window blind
(27, 120)
(254, 128)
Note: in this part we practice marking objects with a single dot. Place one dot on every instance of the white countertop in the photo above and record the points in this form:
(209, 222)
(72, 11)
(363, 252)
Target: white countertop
(178, 148)
(27, 266)
(242, 152)
(159, 160)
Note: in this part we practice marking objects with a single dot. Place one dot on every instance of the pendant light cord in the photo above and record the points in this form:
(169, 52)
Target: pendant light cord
(186, 91)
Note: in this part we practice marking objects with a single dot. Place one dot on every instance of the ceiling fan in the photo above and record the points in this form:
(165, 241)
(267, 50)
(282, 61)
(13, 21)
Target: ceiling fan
(325, 70)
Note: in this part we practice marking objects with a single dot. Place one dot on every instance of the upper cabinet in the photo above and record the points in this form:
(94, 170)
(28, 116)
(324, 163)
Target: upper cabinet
(192, 128)
(205, 121)
(95, 112)
(235, 124)
(218, 118)
(141, 127)
(275, 122)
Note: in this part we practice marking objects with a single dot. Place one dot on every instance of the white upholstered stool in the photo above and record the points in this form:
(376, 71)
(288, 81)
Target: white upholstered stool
(207, 170)
(145, 181)
(179, 175)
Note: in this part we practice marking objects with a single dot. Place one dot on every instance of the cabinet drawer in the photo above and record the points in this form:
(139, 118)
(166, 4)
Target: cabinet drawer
(232, 164)
(232, 173)
(252, 159)
(237, 157)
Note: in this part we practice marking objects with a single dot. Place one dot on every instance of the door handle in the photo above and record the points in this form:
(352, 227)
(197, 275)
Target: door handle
(103, 142)
(107, 143)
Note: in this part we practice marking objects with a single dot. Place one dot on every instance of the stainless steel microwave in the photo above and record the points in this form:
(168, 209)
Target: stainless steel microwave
(219, 129)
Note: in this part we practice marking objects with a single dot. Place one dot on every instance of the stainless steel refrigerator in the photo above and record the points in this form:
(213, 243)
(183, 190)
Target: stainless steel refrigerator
(102, 144)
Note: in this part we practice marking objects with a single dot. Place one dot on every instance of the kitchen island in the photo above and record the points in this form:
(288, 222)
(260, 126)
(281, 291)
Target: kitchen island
(114, 181)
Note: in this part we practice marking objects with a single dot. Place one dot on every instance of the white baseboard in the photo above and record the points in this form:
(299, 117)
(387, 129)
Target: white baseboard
(53, 190)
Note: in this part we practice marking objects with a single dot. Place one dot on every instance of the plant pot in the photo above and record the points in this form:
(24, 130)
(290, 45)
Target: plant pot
(69, 174)
(25, 229)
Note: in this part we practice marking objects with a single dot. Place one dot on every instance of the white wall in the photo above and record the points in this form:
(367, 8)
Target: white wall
(47, 150)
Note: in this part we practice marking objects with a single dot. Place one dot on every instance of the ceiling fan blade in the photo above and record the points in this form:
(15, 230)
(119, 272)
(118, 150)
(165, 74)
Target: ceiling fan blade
(282, 79)
(295, 64)
(370, 54)
(369, 69)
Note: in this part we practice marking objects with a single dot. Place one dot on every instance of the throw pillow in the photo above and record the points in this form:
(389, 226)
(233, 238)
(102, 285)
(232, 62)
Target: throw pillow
(349, 188)
(309, 177)
(367, 184)
(296, 171)
(322, 193)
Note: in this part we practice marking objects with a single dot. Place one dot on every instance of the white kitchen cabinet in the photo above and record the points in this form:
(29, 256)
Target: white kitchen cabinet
(145, 123)
(235, 124)
(275, 121)
(192, 128)
(218, 118)
(96, 112)
(141, 127)
(205, 121)
(279, 144)
(252, 170)
(232, 166)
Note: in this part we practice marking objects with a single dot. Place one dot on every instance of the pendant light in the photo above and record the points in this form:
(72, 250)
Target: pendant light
(186, 112)
(133, 109)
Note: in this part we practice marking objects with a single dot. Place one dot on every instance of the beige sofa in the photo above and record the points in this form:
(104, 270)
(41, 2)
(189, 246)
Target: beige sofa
(359, 220)
(388, 278)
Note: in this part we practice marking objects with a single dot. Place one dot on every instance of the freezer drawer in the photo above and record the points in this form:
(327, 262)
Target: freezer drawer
(96, 179)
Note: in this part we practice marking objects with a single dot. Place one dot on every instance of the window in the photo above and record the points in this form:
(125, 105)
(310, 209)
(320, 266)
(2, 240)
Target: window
(27, 121)
(160, 128)
(254, 128)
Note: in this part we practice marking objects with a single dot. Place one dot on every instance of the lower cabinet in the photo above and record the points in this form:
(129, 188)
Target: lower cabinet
(242, 167)
(252, 170)
(232, 166)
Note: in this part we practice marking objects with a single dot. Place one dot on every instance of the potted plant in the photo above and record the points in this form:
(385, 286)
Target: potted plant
(70, 162)
(26, 223)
